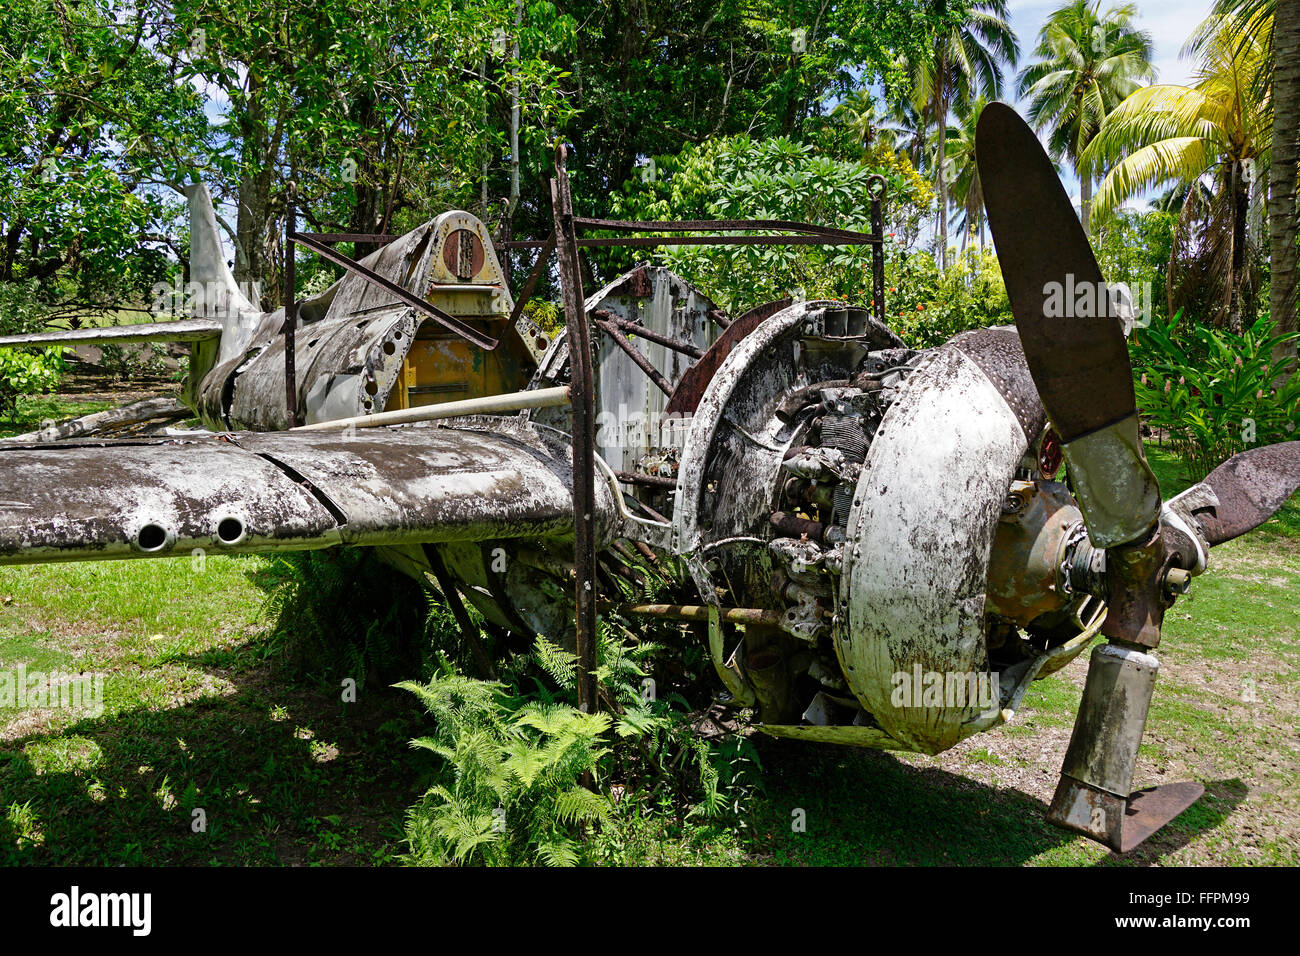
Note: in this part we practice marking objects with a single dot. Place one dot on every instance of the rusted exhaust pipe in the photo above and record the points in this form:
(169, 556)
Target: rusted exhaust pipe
(488, 405)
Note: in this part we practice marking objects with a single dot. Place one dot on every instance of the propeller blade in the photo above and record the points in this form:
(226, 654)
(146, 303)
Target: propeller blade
(1072, 337)
(1251, 487)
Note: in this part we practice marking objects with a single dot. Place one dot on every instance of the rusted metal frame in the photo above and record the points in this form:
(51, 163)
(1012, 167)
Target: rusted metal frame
(496, 583)
(653, 513)
(290, 307)
(636, 328)
(650, 481)
(448, 588)
(876, 188)
(451, 323)
(727, 225)
(374, 239)
(720, 317)
(632, 352)
(534, 275)
(604, 242)
(584, 432)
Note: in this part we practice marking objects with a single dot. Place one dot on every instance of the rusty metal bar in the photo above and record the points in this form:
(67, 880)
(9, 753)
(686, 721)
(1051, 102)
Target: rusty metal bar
(636, 328)
(720, 317)
(699, 612)
(728, 225)
(876, 187)
(657, 516)
(530, 284)
(612, 241)
(290, 306)
(650, 481)
(457, 606)
(377, 239)
(449, 322)
(632, 352)
(584, 432)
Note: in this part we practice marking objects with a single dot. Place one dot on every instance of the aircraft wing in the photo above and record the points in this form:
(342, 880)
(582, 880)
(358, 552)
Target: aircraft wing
(180, 330)
(256, 491)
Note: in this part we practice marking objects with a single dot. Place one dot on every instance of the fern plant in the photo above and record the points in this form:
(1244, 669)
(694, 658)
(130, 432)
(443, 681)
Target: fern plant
(510, 790)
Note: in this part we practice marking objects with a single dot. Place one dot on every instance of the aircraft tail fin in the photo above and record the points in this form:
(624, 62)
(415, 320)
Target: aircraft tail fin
(222, 295)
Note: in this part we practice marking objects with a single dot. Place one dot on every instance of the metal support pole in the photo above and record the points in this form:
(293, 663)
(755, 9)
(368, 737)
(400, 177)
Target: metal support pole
(876, 188)
(584, 432)
(290, 306)
(650, 335)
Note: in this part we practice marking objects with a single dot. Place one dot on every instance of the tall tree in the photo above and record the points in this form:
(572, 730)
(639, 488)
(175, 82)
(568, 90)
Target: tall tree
(1087, 63)
(1217, 128)
(1284, 269)
(966, 62)
(964, 174)
(90, 108)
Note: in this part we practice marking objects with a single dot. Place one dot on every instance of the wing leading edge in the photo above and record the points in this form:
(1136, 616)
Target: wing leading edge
(249, 492)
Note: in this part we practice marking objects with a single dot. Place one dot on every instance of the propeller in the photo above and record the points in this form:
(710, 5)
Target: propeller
(1070, 326)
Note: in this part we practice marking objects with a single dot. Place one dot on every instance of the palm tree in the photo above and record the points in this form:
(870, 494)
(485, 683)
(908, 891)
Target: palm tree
(857, 112)
(1284, 267)
(1278, 25)
(907, 129)
(964, 174)
(1217, 128)
(967, 63)
(1088, 62)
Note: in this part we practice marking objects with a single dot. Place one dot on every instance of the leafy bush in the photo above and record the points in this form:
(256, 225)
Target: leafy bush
(127, 362)
(514, 757)
(779, 178)
(1214, 393)
(512, 789)
(25, 372)
(927, 306)
(28, 373)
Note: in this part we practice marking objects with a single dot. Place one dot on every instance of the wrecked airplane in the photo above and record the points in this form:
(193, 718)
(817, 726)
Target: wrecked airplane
(848, 509)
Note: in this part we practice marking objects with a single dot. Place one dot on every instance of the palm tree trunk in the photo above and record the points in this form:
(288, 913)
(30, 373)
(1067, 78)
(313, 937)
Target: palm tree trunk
(941, 188)
(1240, 210)
(1085, 203)
(1282, 177)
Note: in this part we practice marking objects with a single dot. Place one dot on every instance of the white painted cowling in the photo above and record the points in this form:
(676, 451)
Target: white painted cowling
(920, 533)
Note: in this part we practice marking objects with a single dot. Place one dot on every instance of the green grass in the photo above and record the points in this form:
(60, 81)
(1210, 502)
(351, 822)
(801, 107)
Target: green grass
(198, 715)
(194, 717)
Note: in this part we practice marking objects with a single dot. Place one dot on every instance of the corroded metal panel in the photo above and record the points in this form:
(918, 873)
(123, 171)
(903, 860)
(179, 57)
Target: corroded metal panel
(630, 411)
(433, 484)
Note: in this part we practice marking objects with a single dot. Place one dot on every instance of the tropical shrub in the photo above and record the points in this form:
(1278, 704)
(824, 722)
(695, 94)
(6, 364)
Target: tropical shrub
(1213, 392)
(927, 306)
(341, 612)
(27, 373)
(523, 776)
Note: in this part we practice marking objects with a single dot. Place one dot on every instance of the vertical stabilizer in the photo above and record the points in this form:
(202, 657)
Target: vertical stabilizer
(208, 266)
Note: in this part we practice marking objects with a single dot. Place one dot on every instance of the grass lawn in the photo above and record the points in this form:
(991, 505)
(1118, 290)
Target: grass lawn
(197, 717)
